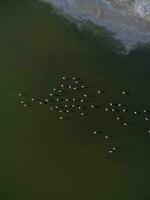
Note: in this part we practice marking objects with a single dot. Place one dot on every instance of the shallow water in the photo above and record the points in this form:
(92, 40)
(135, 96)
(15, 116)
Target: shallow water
(43, 158)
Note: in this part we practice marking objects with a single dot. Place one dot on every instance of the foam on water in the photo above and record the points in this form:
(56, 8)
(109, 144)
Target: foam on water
(124, 19)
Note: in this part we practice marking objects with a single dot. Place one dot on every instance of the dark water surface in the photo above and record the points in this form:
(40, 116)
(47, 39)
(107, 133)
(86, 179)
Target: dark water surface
(43, 158)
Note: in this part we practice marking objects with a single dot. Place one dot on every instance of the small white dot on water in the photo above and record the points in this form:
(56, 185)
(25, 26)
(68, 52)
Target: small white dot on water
(146, 118)
(125, 124)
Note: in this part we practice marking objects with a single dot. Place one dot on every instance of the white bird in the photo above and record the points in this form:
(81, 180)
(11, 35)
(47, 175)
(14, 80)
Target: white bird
(85, 95)
(124, 110)
(79, 107)
(59, 91)
(22, 102)
(63, 77)
(20, 94)
(106, 136)
(110, 151)
(40, 102)
(82, 100)
(76, 82)
(82, 114)
(51, 108)
(57, 99)
(66, 99)
(125, 124)
(74, 78)
(69, 86)
(66, 106)
(46, 100)
(119, 104)
(92, 106)
(106, 109)
(32, 99)
(113, 110)
(110, 104)
(74, 88)
(146, 118)
(135, 112)
(98, 91)
(60, 111)
(123, 92)
(67, 111)
(82, 86)
(50, 94)
(62, 85)
(114, 148)
(61, 118)
(94, 132)
(73, 99)
(54, 89)
(73, 106)
(118, 118)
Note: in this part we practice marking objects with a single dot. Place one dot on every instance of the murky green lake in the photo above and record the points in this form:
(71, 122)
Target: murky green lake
(44, 158)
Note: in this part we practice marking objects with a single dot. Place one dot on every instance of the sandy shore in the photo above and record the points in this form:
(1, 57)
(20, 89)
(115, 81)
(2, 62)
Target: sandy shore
(127, 25)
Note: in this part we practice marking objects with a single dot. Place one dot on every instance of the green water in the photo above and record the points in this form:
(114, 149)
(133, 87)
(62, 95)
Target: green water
(43, 158)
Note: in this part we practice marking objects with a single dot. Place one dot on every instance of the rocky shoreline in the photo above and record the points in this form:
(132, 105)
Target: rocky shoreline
(128, 19)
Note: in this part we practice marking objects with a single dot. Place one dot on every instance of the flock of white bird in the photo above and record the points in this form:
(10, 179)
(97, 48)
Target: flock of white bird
(72, 97)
